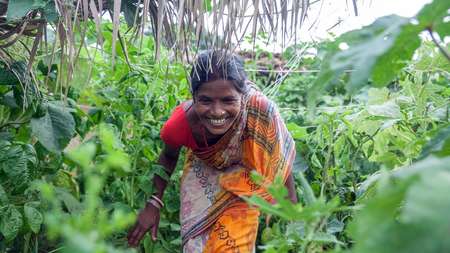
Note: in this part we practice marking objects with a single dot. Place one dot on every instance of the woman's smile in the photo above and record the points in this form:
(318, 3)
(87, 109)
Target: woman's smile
(217, 122)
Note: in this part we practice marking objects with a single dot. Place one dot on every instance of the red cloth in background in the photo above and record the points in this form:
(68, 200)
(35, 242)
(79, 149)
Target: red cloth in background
(176, 132)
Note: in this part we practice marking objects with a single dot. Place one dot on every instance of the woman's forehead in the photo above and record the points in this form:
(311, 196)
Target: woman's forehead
(218, 87)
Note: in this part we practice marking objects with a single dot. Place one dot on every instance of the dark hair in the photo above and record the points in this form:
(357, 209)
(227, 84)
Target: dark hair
(214, 65)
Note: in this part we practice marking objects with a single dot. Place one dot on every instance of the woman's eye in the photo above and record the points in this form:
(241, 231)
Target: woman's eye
(205, 101)
(230, 101)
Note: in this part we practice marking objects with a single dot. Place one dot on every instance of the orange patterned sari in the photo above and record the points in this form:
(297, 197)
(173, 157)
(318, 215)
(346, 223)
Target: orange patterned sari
(213, 216)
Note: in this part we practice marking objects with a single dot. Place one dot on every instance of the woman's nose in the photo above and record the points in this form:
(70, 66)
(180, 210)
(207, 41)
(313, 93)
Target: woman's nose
(217, 110)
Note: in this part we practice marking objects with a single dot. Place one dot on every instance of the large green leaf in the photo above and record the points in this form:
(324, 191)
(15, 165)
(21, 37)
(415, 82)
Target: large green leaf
(49, 12)
(365, 47)
(426, 212)
(388, 109)
(71, 203)
(17, 161)
(19, 8)
(411, 206)
(55, 129)
(7, 77)
(33, 217)
(378, 51)
(11, 222)
(297, 131)
(370, 43)
(443, 29)
(14, 74)
(439, 144)
(433, 13)
(397, 55)
(129, 12)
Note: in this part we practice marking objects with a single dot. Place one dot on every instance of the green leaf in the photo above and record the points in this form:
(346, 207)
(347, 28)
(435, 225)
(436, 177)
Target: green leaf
(17, 161)
(371, 50)
(377, 96)
(325, 238)
(372, 224)
(335, 226)
(410, 206)
(443, 29)
(55, 129)
(83, 154)
(432, 16)
(129, 12)
(296, 131)
(324, 79)
(3, 196)
(9, 100)
(175, 227)
(389, 110)
(11, 222)
(33, 217)
(49, 12)
(265, 206)
(207, 5)
(310, 198)
(19, 8)
(65, 179)
(397, 56)
(371, 43)
(439, 144)
(433, 13)
(72, 204)
(7, 77)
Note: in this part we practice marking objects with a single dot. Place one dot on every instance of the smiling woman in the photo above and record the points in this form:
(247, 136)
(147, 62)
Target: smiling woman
(217, 106)
(230, 129)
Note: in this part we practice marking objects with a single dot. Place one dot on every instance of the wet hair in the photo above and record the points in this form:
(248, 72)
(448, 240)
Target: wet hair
(214, 65)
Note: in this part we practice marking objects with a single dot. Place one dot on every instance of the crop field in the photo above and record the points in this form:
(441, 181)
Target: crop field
(85, 90)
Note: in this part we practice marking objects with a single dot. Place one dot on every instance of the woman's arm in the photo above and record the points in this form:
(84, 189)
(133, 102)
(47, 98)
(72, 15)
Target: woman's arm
(168, 159)
(148, 218)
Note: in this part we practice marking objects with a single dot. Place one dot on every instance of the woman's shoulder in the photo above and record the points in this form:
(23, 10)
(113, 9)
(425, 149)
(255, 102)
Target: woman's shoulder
(260, 102)
(176, 128)
(179, 112)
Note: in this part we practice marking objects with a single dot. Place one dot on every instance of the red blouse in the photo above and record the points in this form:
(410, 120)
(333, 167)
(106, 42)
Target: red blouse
(176, 132)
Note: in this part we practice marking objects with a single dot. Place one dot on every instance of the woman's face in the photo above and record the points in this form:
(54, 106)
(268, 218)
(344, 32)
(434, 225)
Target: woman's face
(217, 104)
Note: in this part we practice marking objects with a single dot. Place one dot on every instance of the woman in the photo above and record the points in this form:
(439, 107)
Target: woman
(229, 129)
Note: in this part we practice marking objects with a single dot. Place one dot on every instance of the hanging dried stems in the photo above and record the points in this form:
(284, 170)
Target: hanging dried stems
(176, 23)
(187, 26)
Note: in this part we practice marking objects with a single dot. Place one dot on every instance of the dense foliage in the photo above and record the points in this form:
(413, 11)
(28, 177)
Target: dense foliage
(372, 131)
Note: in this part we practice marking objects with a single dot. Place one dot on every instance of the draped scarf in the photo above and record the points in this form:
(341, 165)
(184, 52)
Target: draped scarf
(214, 178)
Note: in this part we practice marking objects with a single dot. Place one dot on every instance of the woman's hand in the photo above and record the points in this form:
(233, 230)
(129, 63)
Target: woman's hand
(147, 219)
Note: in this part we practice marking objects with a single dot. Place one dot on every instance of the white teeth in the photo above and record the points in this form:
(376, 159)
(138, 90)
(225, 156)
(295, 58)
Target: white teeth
(217, 122)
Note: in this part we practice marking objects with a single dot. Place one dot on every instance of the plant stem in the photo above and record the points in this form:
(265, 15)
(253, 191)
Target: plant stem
(27, 242)
(310, 198)
(441, 48)
(56, 250)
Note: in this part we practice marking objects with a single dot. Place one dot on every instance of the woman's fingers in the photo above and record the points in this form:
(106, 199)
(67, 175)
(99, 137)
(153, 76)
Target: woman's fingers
(131, 238)
(131, 231)
(139, 232)
(146, 221)
(155, 230)
(136, 232)
(140, 236)
(136, 236)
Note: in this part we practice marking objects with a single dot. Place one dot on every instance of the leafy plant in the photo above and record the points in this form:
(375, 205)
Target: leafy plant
(378, 51)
